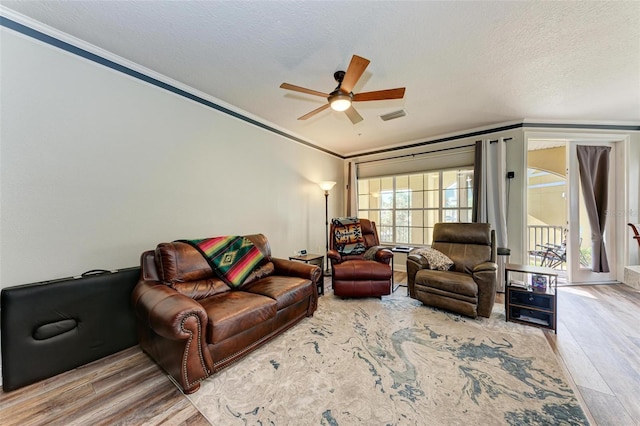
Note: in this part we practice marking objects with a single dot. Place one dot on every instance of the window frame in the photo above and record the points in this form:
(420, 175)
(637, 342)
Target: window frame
(387, 218)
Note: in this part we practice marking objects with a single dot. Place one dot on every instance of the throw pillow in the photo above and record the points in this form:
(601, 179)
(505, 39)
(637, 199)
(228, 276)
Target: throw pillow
(259, 272)
(347, 236)
(436, 259)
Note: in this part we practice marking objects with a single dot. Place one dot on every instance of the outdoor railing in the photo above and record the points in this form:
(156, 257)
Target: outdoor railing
(547, 246)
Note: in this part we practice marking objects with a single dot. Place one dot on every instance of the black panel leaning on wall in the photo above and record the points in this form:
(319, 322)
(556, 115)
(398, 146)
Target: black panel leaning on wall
(54, 326)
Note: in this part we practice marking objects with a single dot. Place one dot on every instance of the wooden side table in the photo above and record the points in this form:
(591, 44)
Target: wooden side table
(313, 259)
(531, 306)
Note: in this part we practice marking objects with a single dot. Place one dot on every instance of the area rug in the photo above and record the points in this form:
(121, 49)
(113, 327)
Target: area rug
(394, 362)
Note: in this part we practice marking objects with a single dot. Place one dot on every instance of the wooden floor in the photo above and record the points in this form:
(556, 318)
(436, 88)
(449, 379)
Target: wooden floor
(598, 343)
(126, 388)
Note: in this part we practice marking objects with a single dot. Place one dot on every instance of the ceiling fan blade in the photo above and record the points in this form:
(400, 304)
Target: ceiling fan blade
(353, 115)
(354, 72)
(288, 86)
(314, 112)
(380, 95)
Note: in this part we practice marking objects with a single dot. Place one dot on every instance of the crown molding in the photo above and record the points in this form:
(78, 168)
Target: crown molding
(36, 30)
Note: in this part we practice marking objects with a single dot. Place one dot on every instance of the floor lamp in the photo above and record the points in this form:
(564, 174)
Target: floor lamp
(326, 186)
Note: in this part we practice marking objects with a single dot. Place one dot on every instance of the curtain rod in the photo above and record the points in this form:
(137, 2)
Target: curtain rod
(504, 140)
(429, 152)
(413, 155)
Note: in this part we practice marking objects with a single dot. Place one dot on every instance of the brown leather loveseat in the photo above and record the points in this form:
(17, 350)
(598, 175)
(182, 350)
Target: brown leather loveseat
(193, 324)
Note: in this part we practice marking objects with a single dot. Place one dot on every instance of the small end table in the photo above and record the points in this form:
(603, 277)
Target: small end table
(526, 305)
(313, 259)
(403, 250)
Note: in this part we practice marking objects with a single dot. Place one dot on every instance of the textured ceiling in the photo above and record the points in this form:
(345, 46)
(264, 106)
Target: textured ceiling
(464, 64)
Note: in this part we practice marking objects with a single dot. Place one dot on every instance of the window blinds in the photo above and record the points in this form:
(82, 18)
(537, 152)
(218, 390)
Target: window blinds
(437, 159)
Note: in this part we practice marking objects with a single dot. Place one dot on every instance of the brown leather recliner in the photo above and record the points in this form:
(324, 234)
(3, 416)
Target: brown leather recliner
(355, 276)
(469, 287)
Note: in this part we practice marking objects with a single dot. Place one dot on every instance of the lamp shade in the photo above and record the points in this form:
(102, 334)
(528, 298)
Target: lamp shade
(326, 185)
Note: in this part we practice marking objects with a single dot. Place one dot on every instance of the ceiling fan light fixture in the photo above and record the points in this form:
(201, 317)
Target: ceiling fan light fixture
(339, 101)
(342, 96)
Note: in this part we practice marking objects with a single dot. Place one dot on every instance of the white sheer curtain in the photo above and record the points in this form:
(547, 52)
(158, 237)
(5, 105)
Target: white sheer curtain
(352, 189)
(491, 197)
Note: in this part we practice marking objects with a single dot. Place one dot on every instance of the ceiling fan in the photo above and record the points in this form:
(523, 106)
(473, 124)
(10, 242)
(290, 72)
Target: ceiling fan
(342, 97)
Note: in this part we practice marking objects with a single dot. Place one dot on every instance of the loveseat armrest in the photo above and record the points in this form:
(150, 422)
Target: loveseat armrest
(415, 262)
(296, 269)
(485, 275)
(171, 329)
(303, 270)
(164, 310)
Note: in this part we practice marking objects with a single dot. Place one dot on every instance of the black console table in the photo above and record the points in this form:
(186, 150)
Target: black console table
(527, 305)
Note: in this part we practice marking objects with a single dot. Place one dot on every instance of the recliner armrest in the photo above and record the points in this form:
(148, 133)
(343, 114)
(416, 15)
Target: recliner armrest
(485, 276)
(418, 260)
(415, 262)
(384, 256)
(485, 266)
(334, 256)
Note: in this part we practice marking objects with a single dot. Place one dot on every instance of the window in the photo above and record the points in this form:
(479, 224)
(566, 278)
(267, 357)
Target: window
(405, 208)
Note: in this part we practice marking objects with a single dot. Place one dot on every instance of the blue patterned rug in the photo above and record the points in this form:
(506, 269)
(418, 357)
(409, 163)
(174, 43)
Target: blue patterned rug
(394, 362)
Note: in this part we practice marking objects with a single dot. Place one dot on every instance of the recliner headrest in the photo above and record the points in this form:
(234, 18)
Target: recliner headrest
(463, 233)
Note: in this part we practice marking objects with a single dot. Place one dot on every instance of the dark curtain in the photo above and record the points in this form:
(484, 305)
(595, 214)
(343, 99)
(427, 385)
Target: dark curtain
(593, 163)
(477, 182)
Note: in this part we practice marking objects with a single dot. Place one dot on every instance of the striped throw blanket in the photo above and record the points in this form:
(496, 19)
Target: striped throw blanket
(232, 258)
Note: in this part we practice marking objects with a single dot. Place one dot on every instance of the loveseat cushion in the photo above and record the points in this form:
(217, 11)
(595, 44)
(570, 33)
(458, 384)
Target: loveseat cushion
(180, 262)
(233, 312)
(286, 291)
(200, 289)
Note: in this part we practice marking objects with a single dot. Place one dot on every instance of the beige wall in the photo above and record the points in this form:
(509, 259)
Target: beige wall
(97, 167)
